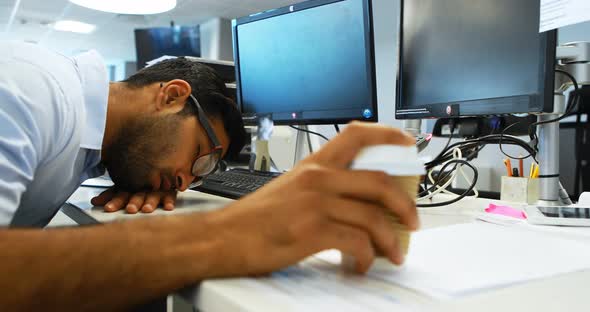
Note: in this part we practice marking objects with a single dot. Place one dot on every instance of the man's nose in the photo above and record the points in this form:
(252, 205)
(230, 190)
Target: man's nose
(183, 180)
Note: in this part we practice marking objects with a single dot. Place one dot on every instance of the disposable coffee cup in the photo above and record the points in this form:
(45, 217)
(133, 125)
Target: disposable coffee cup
(410, 186)
(405, 169)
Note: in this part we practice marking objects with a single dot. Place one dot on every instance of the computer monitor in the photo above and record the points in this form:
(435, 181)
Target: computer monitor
(473, 57)
(151, 43)
(309, 63)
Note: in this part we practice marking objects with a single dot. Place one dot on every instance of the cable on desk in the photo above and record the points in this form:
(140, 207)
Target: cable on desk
(470, 145)
(445, 178)
(449, 157)
(502, 135)
(451, 154)
(461, 196)
(442, 152)
(311, 132)
(452, 126)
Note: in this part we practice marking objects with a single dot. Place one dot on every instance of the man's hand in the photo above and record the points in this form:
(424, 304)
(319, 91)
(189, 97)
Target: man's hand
(146, 202)
(319, 205)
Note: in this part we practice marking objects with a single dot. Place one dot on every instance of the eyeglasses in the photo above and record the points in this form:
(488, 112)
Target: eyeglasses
(208, 163)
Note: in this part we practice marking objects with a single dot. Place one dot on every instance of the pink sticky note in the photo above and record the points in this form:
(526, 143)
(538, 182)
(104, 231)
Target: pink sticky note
(506, 211)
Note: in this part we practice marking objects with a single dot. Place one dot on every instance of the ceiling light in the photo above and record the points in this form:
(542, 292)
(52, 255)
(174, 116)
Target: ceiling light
(128, 6)
(74, 26)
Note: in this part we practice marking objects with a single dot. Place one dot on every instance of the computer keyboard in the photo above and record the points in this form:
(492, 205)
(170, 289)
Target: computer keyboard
(235, 183)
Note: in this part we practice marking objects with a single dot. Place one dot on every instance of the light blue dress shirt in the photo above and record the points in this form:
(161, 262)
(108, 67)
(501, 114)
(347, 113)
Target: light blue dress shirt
(52, 120)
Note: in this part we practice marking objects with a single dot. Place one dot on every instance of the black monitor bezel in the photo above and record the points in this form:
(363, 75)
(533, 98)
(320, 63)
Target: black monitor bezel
(484, 107)
(368, 14)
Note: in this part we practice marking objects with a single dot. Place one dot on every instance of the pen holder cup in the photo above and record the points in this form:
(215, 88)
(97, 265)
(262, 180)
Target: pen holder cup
(520, 190)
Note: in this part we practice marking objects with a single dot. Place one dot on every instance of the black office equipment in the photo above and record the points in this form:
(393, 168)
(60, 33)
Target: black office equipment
(576, 174)
(151, 43)
(462, 58)
(308, 63)
(235, 183)
(473, 57)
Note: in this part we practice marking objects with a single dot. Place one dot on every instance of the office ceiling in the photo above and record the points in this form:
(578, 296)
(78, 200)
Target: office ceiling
(114, 34)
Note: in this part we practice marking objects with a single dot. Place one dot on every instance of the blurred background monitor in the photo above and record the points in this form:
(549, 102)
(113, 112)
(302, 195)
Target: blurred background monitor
(151, 43)
(309, 63)
(473, 57)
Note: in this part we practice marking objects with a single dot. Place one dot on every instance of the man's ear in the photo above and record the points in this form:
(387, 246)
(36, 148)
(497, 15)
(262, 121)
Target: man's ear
(174, 95)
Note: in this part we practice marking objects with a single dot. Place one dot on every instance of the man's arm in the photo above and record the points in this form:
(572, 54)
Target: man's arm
(318, 205)
(106, 267)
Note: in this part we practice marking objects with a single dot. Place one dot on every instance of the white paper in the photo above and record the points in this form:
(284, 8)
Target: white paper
(469, 258)
(559, 13)
(322, 287)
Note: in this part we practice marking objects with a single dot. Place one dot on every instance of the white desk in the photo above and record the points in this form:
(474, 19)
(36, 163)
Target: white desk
(562, 293)
(187, 202)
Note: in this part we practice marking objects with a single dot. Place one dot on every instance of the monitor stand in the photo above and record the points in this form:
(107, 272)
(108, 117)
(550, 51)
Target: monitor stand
(413, 126)
(573, 58)
(303, 147)
(261, 158)
(548, 157)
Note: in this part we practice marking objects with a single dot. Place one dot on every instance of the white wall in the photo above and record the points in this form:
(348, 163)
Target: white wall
(385, 23)
(216, 39)
(119, 68)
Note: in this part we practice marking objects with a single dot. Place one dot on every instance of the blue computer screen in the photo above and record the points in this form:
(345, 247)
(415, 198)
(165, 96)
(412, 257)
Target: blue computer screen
(314, 64)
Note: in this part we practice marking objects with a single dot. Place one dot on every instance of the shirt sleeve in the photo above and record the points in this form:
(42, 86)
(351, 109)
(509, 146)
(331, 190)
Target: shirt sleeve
(19, 154)
(24, 112)
(38, 122)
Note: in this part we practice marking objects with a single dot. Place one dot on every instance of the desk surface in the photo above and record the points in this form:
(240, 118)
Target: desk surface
(187, 202)
(565, 292)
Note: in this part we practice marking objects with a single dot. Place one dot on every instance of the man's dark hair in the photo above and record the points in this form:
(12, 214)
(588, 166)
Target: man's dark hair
(207, 87)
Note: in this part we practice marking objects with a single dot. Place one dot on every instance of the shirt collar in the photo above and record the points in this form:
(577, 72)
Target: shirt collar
(95, 85)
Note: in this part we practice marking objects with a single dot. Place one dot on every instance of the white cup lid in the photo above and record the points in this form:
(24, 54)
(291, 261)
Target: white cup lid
(395, 160)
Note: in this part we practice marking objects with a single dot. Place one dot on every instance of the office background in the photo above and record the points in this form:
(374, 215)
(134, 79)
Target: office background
(114, 38)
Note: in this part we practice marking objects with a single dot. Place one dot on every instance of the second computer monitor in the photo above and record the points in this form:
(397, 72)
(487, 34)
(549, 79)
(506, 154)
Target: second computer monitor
(473, 57)
(309, 63)
(152, 43)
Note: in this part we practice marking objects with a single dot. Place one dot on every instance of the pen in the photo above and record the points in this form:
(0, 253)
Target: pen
(521, 166)
(515, 172)
(536, 173)
(508, 167)
(532, 171)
